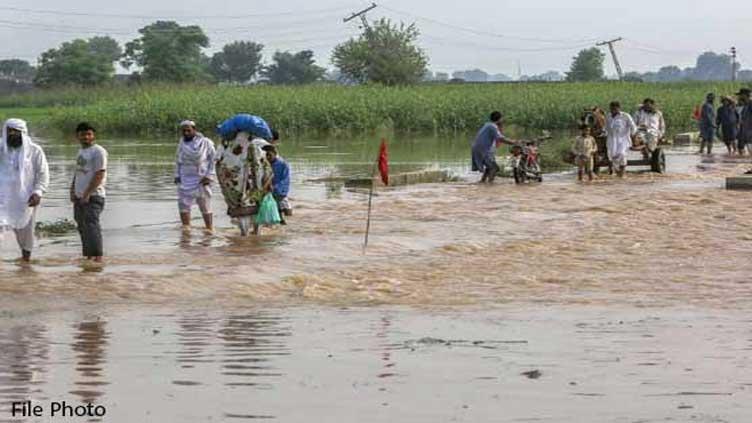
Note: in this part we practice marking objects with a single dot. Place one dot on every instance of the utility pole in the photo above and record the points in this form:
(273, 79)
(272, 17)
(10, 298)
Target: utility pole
(733, 64)
(362, 16)
(610, 45)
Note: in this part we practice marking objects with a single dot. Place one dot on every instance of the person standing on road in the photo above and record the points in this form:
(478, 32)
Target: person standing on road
(484, 148)
(620, 128)
(24, 177)
(744, 136)
(727, 121)
(584, 148)
(87, 191)
(194, 174)
(707, 124)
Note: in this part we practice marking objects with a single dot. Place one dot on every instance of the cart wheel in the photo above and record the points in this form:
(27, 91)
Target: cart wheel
(658, 161)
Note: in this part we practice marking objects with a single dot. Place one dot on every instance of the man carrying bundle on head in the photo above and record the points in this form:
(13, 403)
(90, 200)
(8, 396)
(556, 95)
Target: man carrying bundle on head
(194, 174)
(243, 171)
(24, 177)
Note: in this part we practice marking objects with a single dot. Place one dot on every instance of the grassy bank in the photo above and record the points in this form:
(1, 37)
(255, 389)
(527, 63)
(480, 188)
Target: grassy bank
(157, 109)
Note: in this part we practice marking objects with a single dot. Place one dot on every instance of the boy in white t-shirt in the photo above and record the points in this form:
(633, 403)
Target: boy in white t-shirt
(87, 191)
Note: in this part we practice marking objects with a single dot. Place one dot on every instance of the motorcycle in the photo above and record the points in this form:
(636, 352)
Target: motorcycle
(525, 164)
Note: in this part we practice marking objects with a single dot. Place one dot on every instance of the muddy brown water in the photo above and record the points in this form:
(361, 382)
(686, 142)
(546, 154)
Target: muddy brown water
(616, 301)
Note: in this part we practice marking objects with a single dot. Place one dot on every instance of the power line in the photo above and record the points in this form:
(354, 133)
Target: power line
(129, 16)
(62, 28)
(485, 33)
(506, 49)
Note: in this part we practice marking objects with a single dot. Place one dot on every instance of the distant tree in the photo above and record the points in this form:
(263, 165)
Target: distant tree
(79, 62)
(441, 76)
(237, 62)
(669, 74)
(744, 75)
(472, 75)
(587, 66)
(633, 77)
(500, 77)
(293, 69)
(712, 67)
(549, 76)
(17, 69)
(385, 53)
(167, 51)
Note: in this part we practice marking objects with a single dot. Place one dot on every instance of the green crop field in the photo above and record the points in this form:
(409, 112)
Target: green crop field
(340, 109)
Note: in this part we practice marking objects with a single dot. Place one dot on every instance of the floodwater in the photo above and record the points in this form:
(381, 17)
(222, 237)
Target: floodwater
(616, 301)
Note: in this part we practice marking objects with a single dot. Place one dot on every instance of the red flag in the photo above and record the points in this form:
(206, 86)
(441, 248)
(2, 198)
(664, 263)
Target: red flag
(384, 162)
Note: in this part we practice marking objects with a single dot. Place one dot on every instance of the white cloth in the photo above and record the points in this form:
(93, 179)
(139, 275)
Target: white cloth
(194, 161)
(653, 122)
(23, 172)
(25, 235)
(620, 129)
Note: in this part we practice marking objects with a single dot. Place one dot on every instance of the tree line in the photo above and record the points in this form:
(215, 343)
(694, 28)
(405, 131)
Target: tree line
(588, 65)
(384, 52)
(166, 51)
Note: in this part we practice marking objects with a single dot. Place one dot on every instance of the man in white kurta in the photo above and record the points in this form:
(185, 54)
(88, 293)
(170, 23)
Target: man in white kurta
(25, 177)
(649, 118)
(194, 174)
(620, 128)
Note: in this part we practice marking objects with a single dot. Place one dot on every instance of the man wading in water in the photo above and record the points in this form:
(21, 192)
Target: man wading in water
(620, 128)
(25, 177)
(87, 191)
(484, 148)
(745, 120)
(707, 124)
(194, 172)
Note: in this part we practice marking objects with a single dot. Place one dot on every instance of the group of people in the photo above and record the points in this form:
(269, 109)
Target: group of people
(247, 168)
(623, 132)
(732, 122)
(25, 178)
(618, 127)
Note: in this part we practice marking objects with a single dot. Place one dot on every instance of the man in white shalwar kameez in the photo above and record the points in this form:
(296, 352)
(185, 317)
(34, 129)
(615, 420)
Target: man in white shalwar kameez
(620, 128)
(24, 177)
(194, 174)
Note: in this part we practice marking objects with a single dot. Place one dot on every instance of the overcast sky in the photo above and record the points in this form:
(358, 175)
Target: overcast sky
(494, 35)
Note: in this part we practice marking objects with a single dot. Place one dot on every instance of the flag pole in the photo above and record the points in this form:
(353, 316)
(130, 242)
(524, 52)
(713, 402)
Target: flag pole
(370, 203)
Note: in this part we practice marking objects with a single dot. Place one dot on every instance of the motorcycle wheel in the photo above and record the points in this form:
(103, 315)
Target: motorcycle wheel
(519, 176)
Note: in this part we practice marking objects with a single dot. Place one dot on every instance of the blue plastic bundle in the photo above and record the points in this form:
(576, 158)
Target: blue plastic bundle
(245, 123)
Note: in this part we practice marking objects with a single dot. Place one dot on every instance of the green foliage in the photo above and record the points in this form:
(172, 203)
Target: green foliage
(57, 228)
(293, 69)
(17, 69)
(434, 107)
(79, 62)
(237, 62)
(587, 66)
(385, 53)
(168, 52)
